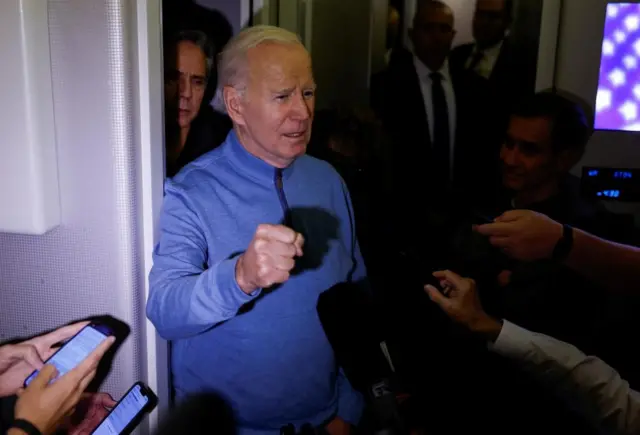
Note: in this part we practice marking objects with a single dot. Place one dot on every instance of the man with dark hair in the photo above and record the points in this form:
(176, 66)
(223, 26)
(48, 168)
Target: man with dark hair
(192, 127)
(546, 137)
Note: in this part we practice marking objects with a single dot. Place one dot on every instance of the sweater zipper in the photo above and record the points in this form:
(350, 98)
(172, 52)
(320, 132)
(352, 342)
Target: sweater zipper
(286, 212)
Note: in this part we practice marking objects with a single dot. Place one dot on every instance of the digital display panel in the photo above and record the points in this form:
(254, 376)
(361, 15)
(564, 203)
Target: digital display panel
(618, 98)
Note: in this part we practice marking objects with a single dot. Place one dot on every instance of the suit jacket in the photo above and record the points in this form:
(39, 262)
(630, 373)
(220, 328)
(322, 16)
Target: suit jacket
(513, 76)
(397, 98)
(425, 208)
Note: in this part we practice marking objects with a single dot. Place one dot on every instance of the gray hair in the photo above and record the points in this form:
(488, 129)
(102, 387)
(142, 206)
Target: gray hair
(232, 65)
(201, 40)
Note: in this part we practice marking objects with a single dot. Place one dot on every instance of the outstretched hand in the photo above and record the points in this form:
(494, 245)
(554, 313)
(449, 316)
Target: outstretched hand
(45, 404)
(459, 300)
(523, 234)
(17, 361)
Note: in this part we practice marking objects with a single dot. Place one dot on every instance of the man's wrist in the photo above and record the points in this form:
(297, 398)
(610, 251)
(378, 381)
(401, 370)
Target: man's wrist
(245, 286)
(557, 238)
(487, 327)
(564, 244)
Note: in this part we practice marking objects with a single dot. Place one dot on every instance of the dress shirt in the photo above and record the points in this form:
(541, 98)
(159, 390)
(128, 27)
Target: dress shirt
(447, 84)
(585, 383)
(490, 56)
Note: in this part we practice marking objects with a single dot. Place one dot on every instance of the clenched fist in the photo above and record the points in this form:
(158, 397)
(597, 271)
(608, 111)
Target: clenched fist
(269, 258)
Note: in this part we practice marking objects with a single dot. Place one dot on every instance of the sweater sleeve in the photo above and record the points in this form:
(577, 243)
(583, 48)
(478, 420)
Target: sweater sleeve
(186, 297)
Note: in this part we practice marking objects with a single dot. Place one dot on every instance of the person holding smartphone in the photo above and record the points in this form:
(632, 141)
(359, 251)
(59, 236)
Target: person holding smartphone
(43, 406)
(587, 384)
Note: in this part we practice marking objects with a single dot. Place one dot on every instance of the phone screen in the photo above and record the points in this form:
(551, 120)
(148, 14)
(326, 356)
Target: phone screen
(76, 349)
(124, 412)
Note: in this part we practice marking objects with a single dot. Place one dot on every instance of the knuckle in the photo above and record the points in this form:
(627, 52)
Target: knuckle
(259, 244)
(263, 270)
(262, 230)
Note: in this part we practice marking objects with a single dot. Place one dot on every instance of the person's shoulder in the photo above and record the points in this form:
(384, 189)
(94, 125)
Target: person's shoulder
(462, 49)
(317, 168)
(320, 173)
(199, 170)
(400, 58)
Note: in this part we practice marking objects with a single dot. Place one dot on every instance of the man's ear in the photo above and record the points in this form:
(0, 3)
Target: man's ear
(233, 103)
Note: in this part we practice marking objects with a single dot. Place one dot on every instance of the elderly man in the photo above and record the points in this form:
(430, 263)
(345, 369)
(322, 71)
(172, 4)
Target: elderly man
(235, 283)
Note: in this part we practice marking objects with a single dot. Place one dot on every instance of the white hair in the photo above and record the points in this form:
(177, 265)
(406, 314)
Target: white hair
(232, 66)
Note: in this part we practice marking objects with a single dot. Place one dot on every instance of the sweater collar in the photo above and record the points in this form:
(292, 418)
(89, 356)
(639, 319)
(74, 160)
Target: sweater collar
(251, 165)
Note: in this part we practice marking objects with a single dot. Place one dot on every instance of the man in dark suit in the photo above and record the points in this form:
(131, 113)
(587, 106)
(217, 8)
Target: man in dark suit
(510, 71)
(431, 113)
(439, 159)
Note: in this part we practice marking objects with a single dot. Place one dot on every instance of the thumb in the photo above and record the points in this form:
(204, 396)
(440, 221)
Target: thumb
(105, 399)
(510, 216)
(46, 375)
(299, 243)
(441, 300)
(29, 353)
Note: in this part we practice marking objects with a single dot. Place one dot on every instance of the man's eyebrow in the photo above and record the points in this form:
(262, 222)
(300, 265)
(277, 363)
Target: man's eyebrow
(284, 91)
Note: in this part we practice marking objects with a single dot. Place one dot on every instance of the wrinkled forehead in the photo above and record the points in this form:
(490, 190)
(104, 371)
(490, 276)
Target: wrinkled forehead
(277, 64)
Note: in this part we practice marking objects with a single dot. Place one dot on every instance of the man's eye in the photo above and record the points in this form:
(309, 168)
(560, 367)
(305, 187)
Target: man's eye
(282, 97)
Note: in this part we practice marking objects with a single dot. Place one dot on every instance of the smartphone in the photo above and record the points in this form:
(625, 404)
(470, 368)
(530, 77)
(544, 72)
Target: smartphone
(481, 218)
(128, 412)
(76, 349)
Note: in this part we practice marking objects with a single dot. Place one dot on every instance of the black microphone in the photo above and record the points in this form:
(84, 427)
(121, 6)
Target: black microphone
(348, 318)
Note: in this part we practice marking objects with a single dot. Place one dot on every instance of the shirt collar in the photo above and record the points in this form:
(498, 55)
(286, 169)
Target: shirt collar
(251, 165)
(424, 72)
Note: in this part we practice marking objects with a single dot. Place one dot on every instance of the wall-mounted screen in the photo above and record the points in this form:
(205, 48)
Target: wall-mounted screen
(618, 99)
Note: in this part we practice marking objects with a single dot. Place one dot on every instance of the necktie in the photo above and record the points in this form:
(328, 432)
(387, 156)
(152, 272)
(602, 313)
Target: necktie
(475, 60)
(440, 127)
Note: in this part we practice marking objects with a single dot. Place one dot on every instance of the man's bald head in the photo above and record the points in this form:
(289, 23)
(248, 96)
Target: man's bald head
(426, 8)
(432, 33)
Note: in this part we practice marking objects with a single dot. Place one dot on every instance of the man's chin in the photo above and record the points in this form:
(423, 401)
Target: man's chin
(512, 183)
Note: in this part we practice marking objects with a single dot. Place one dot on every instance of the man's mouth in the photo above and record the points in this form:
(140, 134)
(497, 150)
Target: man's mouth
(295, 135)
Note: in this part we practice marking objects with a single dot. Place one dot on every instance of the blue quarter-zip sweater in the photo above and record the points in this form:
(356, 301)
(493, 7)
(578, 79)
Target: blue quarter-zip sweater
(265, 353)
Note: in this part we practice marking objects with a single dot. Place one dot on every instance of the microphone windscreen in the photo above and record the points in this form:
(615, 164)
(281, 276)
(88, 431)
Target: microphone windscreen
(348, 319)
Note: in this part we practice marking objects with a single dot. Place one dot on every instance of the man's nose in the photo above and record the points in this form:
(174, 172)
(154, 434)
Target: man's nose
(301, 107)
(509, 156)
(185, 86)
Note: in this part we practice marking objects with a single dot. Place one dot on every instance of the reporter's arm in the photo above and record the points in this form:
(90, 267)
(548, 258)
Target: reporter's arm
(607, 263)
(185, 297)
(529, 236)
(586, 383)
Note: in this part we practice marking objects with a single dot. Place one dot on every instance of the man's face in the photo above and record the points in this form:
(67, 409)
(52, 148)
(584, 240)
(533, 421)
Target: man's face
(275, 112)
(432, 34)
(185, 82)
(528, 159)
(490, 22)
